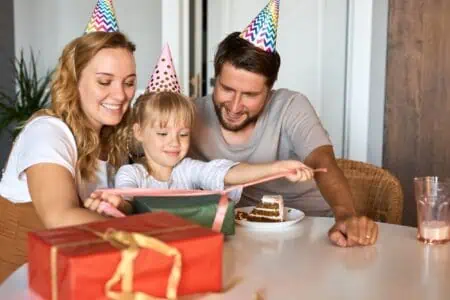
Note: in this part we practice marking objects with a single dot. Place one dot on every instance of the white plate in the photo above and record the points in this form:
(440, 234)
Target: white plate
(292, 216)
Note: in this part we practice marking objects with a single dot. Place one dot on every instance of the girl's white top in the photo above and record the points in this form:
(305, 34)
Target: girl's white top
(188, 174)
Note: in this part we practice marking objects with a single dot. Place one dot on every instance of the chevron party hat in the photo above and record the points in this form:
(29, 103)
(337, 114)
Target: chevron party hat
(103, 18)
(262, 31)
(164, 77)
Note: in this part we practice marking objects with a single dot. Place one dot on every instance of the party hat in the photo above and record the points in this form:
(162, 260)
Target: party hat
(164, 77)
(262, 31)
(103, 18)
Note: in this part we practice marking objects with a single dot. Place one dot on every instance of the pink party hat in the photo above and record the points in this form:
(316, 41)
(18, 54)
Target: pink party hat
(262, 31)
(103, 18)
(164, 77)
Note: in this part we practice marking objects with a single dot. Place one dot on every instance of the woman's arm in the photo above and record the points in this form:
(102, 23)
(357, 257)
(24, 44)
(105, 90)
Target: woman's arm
(54, 195)
(244, 172)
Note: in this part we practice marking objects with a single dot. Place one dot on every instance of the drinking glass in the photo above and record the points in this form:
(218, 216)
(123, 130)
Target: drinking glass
(433, 213)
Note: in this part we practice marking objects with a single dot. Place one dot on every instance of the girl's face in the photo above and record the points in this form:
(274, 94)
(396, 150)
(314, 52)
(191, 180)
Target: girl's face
(107, 85)
(164, 147)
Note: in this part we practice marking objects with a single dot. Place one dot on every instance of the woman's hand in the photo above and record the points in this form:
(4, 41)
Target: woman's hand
(97, 202)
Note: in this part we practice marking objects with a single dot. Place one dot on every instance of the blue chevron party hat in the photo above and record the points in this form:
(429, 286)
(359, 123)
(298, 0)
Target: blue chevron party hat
(103, 18)
(262, 31)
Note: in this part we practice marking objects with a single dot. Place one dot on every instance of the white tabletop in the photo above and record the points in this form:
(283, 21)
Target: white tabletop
(300, 263)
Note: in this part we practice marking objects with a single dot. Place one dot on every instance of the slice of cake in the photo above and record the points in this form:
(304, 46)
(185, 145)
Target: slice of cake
(271, 209)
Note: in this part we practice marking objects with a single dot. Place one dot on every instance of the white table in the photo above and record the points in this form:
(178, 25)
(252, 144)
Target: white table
(300, 263)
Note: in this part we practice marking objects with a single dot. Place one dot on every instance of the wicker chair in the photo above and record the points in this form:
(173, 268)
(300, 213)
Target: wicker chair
(377, 193)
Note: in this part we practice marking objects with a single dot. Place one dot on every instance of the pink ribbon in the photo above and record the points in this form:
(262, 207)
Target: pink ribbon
(222, 206)
(111, 210)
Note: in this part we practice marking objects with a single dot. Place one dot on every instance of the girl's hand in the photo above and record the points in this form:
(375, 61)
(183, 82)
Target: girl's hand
(94, 202)
(300, 171)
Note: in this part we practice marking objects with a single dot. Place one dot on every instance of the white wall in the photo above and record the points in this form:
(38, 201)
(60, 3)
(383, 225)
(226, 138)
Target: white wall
(175, 31)
(333, 59)
(366, 80)
(48, 25)
(380, 14)
(311, 40)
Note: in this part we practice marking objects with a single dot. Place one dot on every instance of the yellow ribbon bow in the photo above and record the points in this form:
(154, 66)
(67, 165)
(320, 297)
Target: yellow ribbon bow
(125, 269)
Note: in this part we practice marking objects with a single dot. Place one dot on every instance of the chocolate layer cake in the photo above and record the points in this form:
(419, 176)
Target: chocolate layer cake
(271, 209)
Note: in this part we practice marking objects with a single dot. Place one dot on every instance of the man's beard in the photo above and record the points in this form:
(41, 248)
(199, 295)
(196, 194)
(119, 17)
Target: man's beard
(234, 128)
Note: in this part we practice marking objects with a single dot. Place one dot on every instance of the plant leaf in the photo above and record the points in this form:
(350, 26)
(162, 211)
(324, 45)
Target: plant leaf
(32, 93)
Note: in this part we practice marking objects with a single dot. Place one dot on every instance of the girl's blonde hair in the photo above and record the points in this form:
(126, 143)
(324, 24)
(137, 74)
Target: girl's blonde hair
(157, 109)
(66, 103)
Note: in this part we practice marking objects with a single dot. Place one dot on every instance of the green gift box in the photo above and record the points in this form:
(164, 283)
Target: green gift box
(201, 209)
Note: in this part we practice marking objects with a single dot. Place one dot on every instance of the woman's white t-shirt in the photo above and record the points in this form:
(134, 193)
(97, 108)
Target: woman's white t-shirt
(45, 139)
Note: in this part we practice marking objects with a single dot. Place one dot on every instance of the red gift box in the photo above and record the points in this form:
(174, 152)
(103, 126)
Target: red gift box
(96, 260)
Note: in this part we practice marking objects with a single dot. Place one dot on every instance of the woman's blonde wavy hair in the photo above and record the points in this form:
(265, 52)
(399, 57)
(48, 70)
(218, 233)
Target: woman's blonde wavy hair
(157, 109)
(66, 104)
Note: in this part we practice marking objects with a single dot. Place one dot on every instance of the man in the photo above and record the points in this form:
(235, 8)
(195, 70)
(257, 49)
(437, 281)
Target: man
(245, 120)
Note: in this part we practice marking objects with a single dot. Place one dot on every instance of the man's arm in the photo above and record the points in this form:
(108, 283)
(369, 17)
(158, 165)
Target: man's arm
(349, 229)
(332, 184)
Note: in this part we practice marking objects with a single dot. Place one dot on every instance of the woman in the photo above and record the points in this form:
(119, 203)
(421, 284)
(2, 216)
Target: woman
(66, 152)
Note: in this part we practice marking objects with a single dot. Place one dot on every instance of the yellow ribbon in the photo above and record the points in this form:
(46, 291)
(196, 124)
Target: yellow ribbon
(130, 245)
(125, 269)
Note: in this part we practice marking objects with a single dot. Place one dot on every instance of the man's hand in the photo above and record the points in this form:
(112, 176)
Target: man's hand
(354, 231)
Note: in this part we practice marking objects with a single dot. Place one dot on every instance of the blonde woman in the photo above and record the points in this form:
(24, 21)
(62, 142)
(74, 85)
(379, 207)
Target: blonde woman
(66, 152)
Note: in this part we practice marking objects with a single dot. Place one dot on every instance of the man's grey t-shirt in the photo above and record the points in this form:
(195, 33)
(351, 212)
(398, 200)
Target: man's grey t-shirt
(288, 128)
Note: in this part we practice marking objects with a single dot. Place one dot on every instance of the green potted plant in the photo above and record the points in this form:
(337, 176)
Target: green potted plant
(32, 94)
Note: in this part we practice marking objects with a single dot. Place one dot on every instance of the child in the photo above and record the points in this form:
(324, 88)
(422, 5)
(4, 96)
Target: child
(160, 123)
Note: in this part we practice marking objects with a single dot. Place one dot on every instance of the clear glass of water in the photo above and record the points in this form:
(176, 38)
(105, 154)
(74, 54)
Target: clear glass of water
(433, 209)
